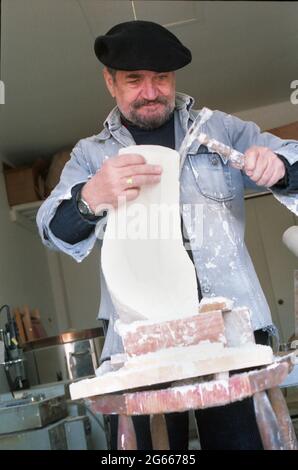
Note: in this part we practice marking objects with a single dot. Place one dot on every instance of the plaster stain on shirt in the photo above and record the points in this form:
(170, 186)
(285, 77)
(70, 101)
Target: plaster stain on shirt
(217, 249)
(210, 265)
(225, 226)
(232, 265)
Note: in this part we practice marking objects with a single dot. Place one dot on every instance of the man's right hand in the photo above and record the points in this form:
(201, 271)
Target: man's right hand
(119, 177)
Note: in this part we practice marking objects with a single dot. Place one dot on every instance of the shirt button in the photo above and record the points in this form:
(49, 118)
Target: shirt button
(206, 289)
(214, 161)
(205, 285)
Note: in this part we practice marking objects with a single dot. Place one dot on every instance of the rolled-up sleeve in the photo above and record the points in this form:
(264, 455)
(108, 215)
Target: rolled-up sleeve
(75, 171)
(244, 134)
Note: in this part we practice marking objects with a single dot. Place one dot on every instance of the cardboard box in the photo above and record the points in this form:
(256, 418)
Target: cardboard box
(21, 185)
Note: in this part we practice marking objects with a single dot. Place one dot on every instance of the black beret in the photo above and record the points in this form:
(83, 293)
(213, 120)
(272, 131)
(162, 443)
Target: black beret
(141, 45)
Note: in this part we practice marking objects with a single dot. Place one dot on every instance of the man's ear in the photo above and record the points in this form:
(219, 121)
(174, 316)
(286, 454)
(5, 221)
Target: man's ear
(109, 79)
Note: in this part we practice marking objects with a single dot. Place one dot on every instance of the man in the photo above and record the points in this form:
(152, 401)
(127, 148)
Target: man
(140, 60)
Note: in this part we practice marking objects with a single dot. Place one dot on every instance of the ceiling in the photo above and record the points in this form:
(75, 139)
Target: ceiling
(244, 56)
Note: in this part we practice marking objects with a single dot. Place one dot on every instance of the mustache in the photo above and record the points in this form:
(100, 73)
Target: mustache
(143, 102)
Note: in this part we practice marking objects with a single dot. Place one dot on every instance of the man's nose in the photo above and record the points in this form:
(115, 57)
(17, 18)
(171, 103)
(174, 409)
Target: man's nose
(150, 90)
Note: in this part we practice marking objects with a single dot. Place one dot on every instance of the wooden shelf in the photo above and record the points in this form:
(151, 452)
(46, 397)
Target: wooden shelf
(25, 215)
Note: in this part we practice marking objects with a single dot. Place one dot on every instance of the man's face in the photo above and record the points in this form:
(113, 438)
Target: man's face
(145, 98)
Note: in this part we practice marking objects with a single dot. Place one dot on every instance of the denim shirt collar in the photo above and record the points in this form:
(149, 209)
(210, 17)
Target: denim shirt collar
(184, 116)
(112, 124)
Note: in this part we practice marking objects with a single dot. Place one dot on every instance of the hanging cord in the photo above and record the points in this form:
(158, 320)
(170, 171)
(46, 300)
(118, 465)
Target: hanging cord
(88, 22)
(6, 306)
(11, 326)
(9, 321)
(134, 10)
(86, 19)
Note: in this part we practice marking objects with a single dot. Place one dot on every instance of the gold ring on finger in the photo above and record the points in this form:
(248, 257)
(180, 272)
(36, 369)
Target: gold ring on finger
(129, 181)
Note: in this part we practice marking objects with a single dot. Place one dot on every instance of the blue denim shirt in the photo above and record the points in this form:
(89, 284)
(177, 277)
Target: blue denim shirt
(210, 190)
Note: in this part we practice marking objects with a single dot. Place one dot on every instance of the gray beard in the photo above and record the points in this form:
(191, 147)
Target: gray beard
(149, 122)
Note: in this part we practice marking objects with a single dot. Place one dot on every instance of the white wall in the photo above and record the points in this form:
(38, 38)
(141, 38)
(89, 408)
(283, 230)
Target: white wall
(271, 116)
(24, 274)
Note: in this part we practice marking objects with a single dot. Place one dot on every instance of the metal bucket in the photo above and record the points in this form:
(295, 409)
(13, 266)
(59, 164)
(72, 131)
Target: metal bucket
(68, 356)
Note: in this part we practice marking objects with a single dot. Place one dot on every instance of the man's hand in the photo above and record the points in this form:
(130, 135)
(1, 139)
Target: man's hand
(120, 176)
(263, 167)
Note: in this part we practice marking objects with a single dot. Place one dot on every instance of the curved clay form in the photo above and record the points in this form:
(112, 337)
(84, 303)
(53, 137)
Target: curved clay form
(147, 269)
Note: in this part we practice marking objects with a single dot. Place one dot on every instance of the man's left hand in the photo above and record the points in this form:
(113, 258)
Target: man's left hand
(263, 167)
